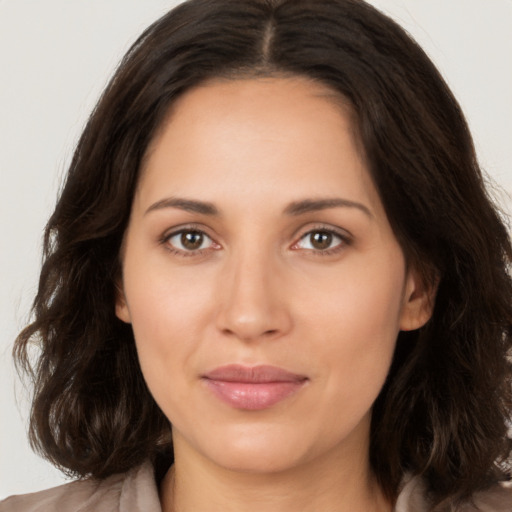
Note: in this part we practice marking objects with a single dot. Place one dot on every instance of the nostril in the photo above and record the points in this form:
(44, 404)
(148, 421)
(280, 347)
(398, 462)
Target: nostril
(250, 335)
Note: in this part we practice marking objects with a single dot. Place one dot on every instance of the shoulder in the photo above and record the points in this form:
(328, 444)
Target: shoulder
(134, 491)
(413, 498)
(496, 499)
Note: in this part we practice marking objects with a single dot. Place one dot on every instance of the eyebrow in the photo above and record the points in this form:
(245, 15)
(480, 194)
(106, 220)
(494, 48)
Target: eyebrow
(313, 205)
(296, 208)
(188, 205)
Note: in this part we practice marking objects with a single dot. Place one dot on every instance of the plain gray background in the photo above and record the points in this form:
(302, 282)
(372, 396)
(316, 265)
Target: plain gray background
(55, 58)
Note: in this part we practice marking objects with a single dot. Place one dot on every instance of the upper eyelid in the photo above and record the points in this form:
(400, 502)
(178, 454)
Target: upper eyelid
(341, 232)
(181, 231)
(169, 233)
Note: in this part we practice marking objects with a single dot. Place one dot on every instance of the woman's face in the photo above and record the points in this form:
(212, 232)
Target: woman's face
(262, 279)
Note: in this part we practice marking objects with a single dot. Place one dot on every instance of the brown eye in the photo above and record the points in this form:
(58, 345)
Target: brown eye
(191, 240)
(321, 239)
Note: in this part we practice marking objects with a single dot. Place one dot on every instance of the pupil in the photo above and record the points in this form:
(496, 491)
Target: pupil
(321, 240)
(192, 240)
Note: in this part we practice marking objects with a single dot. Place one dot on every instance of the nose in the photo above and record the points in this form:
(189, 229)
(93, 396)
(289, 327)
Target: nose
(253, 302)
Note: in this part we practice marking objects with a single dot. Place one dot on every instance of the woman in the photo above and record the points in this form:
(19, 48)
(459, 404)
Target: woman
(274, 279)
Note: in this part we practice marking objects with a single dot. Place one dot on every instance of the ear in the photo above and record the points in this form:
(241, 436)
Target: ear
(122, 311)
(418, 301)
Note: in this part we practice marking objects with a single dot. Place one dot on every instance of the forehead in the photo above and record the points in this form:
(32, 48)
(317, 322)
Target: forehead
(263, 133)
(265, 101)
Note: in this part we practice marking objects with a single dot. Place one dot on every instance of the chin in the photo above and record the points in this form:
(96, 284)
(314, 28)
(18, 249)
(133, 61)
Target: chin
(257, 459)
(248, 448)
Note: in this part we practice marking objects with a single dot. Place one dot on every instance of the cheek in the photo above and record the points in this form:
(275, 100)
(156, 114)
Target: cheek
(354, 321)
(361, 302)
(164, 300)
(169, 312)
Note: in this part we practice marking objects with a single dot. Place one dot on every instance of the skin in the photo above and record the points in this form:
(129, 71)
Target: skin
(259, 291)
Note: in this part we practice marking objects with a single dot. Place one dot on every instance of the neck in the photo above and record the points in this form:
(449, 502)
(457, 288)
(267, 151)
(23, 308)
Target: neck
(196, 484)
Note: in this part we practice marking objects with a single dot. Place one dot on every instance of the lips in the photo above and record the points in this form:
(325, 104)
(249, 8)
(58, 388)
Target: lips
(253, 388)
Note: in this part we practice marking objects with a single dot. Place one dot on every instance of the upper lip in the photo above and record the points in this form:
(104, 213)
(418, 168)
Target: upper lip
(253, 374)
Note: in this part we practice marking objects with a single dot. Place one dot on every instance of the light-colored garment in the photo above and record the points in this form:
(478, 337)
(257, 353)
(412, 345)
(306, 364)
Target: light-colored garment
(412, 499)
(136, 491)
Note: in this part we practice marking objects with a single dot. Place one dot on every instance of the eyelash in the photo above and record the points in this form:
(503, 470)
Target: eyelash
(345, 240)
(165, 241)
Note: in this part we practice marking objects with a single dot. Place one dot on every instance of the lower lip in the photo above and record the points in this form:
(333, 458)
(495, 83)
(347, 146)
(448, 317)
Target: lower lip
(253, 396)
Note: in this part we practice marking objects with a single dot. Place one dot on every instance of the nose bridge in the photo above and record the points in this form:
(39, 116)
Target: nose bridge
(253, 301)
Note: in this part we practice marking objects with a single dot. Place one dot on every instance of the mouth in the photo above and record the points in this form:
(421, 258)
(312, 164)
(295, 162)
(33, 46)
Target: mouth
(253, 388)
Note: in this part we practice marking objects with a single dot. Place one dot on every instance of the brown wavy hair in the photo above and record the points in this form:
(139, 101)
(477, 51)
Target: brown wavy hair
(446, 405)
